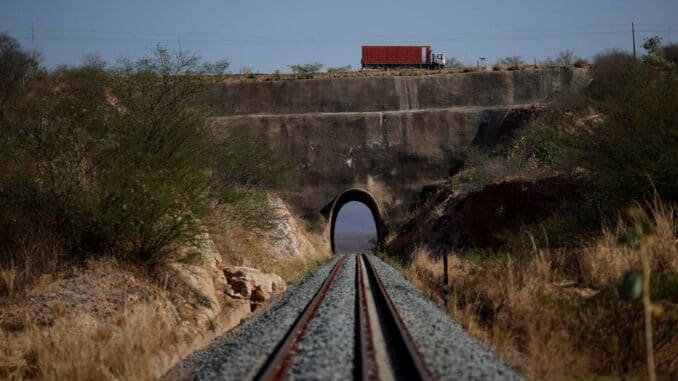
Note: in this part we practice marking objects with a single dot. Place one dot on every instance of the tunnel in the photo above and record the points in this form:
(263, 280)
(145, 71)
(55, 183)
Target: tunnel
(365, 198)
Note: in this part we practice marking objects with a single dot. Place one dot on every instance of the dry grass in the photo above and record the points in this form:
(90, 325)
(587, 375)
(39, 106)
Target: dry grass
(605, 262)
(64, 335)
(555, 314)
(125, 349)
(106, 321)
(21, 270)
(148, 325)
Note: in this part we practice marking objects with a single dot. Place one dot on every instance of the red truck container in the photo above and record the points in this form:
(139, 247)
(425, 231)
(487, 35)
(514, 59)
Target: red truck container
(382, 57)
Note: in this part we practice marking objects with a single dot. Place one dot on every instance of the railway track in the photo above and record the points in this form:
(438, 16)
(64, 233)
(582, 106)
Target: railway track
(354, 318)
(386, 348)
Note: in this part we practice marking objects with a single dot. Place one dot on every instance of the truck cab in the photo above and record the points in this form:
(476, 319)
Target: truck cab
(437, 60)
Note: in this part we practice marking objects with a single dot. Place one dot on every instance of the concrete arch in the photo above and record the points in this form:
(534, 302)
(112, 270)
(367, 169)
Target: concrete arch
(365, 197)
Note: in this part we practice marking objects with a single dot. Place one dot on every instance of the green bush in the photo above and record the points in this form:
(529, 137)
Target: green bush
(618, 138)
(123, 162)
(16, 67)
(547, 143)
(670, 53)
(620, 133)
(306, 69)
(632, 148)
(244, 165)
(125, 165)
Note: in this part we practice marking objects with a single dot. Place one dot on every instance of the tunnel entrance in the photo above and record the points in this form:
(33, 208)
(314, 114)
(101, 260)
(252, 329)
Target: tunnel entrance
(355, 230)
(356, 222)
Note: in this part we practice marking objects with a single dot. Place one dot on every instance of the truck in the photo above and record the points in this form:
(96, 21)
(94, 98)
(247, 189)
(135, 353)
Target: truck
(396, 57)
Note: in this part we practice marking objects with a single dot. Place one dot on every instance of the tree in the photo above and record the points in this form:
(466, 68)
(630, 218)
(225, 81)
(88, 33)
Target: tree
(306, 69)
(653, 45)
(671, 53)
(111, 161)
(339, 69)
(655, 55)
(566, 57)
(16, 66)
(512, 62)
(631, 151)
(453, 63)
(93, 61)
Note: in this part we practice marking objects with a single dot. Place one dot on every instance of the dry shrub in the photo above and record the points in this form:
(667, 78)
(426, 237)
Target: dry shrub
(425, 273)
(556, 320)
(38, 253)
(125, 349)
(470, 69)
(604, 263)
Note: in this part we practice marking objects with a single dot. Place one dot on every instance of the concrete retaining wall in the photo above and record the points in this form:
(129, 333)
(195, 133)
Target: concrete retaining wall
(388, 135)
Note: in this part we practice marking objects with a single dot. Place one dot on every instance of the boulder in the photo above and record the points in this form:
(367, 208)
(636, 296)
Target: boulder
(249, 283)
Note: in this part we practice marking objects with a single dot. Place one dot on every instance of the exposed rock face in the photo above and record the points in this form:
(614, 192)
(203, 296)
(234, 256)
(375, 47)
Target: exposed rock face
(288, 239)
(389, 136)
(252, 284)
(482, 218)
(203, 277)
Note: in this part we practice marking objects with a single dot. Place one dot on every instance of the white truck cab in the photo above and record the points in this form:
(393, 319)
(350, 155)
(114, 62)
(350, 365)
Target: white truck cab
(437, 59)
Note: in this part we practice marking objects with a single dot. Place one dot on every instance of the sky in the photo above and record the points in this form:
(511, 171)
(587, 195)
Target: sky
(265, 36)
(355, 217)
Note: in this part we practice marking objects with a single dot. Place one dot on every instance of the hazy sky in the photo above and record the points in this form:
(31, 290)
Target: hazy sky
(269, 35)
(355, 217)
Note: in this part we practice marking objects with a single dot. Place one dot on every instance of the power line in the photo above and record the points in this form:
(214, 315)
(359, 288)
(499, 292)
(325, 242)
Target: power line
(227, 40)
(560, 32)
(472, 35)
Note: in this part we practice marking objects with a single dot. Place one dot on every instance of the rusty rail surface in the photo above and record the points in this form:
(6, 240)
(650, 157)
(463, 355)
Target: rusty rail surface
(369, 369)
(278, 364)
(405, 358)
(405, 352)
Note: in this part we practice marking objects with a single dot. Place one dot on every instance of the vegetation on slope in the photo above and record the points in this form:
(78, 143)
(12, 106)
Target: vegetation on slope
(547, 297)
(109, 178)
(556, 314)
(618, 139)
(118, 162)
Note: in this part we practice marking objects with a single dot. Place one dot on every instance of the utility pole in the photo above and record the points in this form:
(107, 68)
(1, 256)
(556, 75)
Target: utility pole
(633, 33)
(33, 40)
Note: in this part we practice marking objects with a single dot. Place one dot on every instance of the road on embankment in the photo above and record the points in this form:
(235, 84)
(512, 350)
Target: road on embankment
(354, 318)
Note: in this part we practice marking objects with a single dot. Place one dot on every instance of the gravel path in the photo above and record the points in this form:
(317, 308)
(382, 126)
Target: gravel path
(239, 354)
(450, 352)
(327, 350)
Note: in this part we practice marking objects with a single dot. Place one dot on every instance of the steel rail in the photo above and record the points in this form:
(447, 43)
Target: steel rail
(278, 364)
(369, 370)
(412, 360)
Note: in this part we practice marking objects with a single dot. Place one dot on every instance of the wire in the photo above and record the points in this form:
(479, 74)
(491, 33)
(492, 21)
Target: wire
(459, 36)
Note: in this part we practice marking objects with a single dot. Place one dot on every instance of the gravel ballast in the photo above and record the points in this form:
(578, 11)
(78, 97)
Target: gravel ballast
(450, 353)
(239, 354)
(328, 348)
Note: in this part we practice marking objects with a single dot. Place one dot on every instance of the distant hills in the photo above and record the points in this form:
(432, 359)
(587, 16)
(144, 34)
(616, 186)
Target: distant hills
(353, 242)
